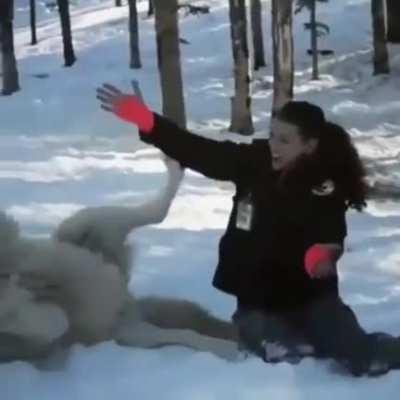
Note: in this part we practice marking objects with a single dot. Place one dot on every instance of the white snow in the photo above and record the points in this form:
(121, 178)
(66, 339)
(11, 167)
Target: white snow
(59, 152)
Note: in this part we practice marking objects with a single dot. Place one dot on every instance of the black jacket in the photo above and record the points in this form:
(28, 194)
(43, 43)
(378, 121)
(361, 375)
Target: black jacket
(263, 266)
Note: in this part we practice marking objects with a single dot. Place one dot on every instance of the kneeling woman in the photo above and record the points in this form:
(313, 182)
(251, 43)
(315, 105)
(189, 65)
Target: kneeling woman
(286, 229)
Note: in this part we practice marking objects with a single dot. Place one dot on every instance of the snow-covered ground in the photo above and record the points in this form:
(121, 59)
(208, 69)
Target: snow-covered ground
(60, 152)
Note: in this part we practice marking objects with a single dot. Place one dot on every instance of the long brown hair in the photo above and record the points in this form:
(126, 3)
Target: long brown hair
(335, 157)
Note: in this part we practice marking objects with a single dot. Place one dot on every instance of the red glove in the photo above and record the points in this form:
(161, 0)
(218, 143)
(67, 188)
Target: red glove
(319, 257)
(127, 107)
(131, 109)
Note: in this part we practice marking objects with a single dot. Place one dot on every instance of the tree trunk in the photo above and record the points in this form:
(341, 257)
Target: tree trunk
(256, 28)
(69, 55)
(393, 13)
(282, 38)
(135, 62)
(314, 39)
(381, 57)
(241, 121)
(118, 3)
(1, 55)
(150, 10)
(33, 22)
(168, 51)
(9, 63)
(7, 10)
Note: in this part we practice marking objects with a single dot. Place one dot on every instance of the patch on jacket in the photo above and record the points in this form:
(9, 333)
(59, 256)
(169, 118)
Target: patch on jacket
(325, 189)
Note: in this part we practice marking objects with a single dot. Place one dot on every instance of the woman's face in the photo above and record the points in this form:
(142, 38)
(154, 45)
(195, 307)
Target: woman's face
(287, 144)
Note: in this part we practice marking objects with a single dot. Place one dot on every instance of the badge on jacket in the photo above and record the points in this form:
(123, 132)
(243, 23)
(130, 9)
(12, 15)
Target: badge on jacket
(325, 189)
(244, 214)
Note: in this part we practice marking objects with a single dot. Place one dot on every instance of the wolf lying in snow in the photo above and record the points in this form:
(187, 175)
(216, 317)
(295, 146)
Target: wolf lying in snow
(73, 287)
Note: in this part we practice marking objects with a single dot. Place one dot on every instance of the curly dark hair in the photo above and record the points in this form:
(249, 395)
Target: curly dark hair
(335, 158)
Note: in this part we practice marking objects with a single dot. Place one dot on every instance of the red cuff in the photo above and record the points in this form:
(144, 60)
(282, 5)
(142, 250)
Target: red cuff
(315, 255)
(131, 109)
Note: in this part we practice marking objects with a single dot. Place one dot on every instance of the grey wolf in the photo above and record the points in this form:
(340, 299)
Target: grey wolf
(72, 287)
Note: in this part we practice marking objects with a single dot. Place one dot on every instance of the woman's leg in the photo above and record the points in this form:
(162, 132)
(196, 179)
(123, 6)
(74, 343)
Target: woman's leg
(387, 350)
(333, 330)
(269, 335)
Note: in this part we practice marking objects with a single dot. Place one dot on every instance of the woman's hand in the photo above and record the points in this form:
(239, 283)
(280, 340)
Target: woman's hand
(324, 270)
(320, 260)
(129, 108)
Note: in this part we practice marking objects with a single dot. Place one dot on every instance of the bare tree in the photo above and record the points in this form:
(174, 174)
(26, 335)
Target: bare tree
(33, 21)
(257, 34)
(169, 64)
(150, 10)
(393, 13)
(381, 56)
(316, 29)
(282, 38)
(314, 39)
(9, 63)
(69, 55)
(241, 121)
(1, 55)
(134, 35)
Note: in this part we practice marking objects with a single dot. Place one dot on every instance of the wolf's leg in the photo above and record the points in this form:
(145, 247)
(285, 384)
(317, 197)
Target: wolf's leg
(41, 323)
(172, 313)
(27, 329)
(155, 209)
(21, 316)
(78, 228)
(143, 334)
(14, 347)
(104, 230)
(89, 291)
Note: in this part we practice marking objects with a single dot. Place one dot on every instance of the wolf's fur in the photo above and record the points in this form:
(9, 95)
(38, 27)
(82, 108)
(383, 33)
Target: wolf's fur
(88, 264)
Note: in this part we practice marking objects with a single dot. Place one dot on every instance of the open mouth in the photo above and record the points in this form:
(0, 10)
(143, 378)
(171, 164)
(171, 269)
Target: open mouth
(275, 158)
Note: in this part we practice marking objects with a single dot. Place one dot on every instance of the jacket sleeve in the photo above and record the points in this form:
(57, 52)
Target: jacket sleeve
(327, 221)
(217, 160)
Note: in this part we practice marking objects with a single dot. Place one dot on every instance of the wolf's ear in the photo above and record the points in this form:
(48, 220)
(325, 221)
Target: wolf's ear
(9, 230)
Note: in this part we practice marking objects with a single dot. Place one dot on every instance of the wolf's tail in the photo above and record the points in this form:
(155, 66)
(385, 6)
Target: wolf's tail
(172, 313)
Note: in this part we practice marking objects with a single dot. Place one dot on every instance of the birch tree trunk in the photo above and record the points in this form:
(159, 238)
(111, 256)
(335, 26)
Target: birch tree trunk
(241, 121)
(69, 55)
(150, 10)
(381, 56)
(282, 39)
(32, 13)
(169, 65)
(9, 63)
(393, 13)
(257, 34)
(135, 62)
(314, 39)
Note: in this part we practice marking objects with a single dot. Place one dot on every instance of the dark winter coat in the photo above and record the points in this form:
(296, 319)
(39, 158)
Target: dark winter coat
(264, 265)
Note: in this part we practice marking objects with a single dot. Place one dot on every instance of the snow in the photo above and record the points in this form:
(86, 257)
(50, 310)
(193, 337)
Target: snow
(59, 152)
